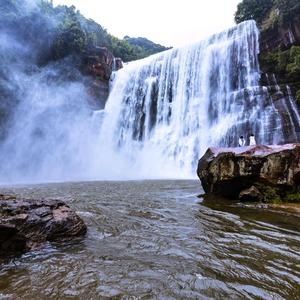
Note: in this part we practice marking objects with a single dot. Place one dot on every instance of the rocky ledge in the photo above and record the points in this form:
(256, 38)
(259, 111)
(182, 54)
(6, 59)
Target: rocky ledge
(268, 174)
(28, 224)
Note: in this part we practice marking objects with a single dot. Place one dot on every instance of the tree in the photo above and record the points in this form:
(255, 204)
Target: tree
(253, 10)
(71, 38)
(287, 8)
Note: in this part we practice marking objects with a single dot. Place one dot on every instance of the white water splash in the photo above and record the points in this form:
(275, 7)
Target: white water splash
(166, 110)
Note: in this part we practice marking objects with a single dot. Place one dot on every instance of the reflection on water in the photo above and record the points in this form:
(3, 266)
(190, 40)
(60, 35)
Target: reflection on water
(153, 239)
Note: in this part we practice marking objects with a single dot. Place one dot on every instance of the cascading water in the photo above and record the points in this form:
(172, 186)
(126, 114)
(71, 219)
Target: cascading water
(168, 109)
(162, 114)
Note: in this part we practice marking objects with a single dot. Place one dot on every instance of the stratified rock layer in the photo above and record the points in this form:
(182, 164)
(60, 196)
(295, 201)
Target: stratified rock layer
(273, 170)
(28, 224)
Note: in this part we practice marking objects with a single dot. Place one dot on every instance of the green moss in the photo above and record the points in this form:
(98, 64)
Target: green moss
(292, 197)
(294, 52)
(270, 194)
(274, 196)
(285, 62)
(269, 62)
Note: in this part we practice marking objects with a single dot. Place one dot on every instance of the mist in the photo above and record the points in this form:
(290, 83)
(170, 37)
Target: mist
(49, 130)
(47, 124)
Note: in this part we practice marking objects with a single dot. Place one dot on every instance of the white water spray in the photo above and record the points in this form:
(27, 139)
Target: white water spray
(166, 110)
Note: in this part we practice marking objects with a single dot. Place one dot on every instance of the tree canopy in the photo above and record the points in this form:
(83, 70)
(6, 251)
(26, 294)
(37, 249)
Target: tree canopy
(62, 30)
(253, 10)
(259, 10)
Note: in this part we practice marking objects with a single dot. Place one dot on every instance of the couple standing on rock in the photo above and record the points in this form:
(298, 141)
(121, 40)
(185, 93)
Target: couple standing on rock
(242, 141)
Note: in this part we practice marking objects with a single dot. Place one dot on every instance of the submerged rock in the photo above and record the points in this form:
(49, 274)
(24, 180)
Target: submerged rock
(28, 224)
(260, 173)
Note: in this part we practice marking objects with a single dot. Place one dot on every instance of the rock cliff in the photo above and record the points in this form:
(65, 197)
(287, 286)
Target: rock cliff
(260, 173)
(283, 35)
(280, 53)
(99, 63)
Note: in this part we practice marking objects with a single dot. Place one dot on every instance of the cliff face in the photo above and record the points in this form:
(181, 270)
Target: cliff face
(280, 67)
(98, 64)
(280, 36)
(280, 55)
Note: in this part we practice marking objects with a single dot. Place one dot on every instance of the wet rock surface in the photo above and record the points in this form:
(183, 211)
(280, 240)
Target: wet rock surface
(260, 173)
(99, 65)
(27, 224)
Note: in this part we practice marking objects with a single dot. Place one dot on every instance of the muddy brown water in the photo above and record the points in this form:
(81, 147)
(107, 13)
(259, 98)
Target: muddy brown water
(156, 240)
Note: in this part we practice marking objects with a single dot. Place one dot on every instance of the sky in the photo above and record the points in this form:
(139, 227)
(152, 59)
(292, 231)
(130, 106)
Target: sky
(167, 22)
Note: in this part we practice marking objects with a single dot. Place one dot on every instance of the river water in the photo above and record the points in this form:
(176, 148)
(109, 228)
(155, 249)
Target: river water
(158, 240)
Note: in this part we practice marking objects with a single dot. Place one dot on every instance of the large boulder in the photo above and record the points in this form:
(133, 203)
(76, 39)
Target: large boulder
(267, 173)
(28, 224)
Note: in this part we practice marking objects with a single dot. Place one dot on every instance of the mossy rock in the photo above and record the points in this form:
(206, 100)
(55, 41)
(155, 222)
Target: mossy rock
(273, 195)
(286, 62)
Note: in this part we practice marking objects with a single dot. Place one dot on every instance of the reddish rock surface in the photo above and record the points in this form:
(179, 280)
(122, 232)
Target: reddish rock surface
(99, 65)
(28, 224)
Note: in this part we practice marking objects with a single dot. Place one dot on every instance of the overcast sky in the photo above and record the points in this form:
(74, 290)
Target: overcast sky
(168, 22)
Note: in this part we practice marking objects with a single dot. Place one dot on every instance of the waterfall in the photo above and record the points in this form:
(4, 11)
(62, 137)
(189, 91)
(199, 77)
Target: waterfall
(166, 110)
(162, 114)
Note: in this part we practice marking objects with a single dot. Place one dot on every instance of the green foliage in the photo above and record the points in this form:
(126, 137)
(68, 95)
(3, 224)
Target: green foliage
(283, 59)
(253, 10)
(71, 38)
(293, 65)
(76, 34)
(287, 8)
(145, 46)
(269, 62)
(124, 50)
(282, 62)
(268, 11)
(270, 194)
(292, 197)
(61, 31)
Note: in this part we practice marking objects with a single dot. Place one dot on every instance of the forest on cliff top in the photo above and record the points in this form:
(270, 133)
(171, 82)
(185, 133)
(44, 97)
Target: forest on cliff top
(61, 31)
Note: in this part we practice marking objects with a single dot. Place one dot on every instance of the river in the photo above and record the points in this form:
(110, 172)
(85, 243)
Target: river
(158, 240)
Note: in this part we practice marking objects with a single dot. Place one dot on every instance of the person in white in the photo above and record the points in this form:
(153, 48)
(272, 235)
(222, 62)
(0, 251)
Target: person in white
(252, 140)
(242, 141)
